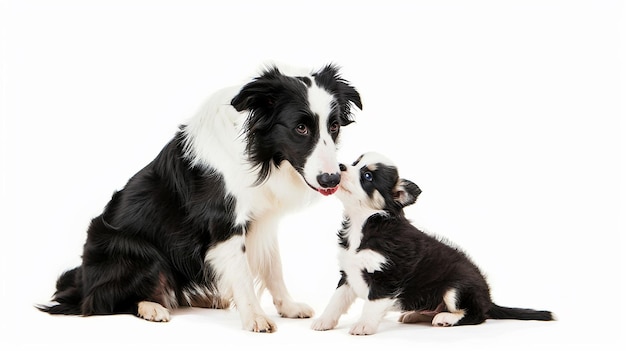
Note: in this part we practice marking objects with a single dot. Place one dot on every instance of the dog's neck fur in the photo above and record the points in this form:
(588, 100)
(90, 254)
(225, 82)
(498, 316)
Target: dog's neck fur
(356, 217)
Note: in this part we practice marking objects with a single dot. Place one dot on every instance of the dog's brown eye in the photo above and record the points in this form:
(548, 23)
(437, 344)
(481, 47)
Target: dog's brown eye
(334, 128)
(302, 129)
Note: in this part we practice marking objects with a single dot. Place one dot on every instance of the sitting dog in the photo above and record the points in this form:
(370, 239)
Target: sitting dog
(388, 262)
(197, 225)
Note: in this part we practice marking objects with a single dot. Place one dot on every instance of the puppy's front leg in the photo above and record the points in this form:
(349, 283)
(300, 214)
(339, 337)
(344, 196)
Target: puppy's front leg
(264, 258)
(373, 313)
(342, 299)
(228, 260)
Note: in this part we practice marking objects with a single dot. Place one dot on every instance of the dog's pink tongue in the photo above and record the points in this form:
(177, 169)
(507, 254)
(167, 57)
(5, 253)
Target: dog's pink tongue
(329, 191)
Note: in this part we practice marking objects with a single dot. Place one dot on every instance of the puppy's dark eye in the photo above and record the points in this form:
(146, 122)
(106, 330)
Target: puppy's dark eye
(302, 129)
(334, 128)
(368, 176)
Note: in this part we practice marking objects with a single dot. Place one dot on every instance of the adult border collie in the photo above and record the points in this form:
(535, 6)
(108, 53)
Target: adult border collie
(197, 225)
(388, 262)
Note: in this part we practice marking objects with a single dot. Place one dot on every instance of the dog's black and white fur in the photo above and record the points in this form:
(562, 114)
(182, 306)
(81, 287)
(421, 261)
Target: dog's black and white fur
(391, 264)
(197, 225)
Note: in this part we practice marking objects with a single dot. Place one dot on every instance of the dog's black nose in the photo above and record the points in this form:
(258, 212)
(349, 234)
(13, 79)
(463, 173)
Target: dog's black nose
(327, 180)
(342, 167)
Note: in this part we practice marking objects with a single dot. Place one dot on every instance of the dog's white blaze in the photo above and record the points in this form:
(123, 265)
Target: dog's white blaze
(323, 159)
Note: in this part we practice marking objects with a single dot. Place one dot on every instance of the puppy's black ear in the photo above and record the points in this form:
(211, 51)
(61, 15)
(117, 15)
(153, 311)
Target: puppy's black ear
(329, 79)
(406, 192)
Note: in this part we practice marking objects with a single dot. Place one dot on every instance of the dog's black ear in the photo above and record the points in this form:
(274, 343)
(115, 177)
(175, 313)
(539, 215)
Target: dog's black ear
(260, 94)
(406, 192)
(329, 79)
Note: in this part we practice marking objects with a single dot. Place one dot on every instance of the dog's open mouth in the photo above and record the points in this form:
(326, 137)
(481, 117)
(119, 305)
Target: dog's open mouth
(323, 191)
(328, 191)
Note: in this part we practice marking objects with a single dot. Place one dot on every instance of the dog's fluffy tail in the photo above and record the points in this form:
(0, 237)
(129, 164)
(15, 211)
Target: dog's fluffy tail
(68, 297)
(499, 312)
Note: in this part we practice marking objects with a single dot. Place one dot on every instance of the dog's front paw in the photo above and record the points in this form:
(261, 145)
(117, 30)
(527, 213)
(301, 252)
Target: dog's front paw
(323, 324)
(295, 310)
(259, 323)
(362, 328)
(152, 311)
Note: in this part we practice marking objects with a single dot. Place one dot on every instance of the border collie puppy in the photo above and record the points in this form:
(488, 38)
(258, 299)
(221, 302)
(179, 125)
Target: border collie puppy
(197, 225)
(388, 262)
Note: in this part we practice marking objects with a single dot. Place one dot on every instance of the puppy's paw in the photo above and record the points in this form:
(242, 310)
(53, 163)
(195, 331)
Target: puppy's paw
(447, 319)
(323, 324)
(152, 311)
(259, 323)
(362, 328)
(294, 310)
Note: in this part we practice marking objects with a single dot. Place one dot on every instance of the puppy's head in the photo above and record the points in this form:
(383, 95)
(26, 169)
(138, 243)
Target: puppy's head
(372, 183)
(297, 118)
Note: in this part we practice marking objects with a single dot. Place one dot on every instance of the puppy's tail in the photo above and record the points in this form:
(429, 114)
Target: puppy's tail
(499, 312)
(68, 297)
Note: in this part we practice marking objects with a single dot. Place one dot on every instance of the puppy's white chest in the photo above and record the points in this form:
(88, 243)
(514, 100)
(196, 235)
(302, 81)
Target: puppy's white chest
(355, 264)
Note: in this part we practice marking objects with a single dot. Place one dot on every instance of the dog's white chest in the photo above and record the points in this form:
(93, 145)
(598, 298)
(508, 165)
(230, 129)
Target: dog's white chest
(355, 263)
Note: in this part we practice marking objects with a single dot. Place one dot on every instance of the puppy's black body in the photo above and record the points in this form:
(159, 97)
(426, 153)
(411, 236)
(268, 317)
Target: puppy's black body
(390, 263)
(423, 268)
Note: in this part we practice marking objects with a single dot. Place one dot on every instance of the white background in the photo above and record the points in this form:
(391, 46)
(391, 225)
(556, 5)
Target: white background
(506, 113)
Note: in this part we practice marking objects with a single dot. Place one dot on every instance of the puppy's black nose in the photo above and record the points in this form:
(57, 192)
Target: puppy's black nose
(327, 180)
(342, 167)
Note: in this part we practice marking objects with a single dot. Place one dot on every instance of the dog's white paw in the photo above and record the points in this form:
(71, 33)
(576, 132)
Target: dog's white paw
(362, 328)
(295, 310)
(259, 323)
(152, 311)
(323, 324)
(447, 319)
